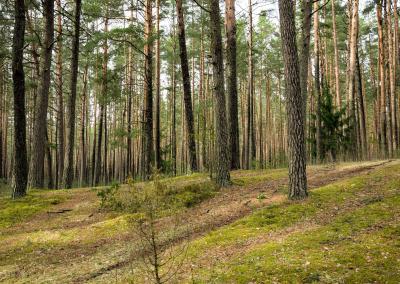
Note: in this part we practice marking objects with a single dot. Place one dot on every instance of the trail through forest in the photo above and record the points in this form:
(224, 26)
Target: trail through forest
(103, 246)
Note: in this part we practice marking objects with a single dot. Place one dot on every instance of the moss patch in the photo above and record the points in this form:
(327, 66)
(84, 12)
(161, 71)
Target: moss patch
(15, 211)
(356, 213)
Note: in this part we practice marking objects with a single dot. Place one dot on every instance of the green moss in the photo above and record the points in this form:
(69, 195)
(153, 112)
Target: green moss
(281, 215)
(190, 195)
(358, 246)
(352, 249)
(15, 211)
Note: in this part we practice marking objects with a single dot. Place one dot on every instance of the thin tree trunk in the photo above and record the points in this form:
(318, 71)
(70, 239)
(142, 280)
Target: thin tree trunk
(317, 82)
(381, 59)
(336, 56)
(353, 46)
(59, 92)
(232, 96)
(186, 88)
(363, 124)
(68, 175)
(50, 183)
(251, 149)
(102, 116)
(148, 94)
(84, 147)
(157, 150)
(305, 50)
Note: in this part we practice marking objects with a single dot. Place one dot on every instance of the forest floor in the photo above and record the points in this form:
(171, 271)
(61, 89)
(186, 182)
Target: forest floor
(347, 231)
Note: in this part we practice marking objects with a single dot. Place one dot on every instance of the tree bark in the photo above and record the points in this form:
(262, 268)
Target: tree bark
(296, 140)
(382, 99)
(353, 45)
(305, 50)
(40, 123)
(59, 92)
(157, 143)
(251, 148)
(233, 117)
(336, 56)
(148, 94)
(222, 157)
(186, 88)
(20, 155)
(317, 82)
(102, 116)
(68, 175)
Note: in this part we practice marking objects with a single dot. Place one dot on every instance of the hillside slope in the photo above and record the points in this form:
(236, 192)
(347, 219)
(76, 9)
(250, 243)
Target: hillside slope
(347, 231)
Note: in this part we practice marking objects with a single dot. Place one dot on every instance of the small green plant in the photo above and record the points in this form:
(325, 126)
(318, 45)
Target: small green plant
(161, 260)
(261, 196)
(108, 197)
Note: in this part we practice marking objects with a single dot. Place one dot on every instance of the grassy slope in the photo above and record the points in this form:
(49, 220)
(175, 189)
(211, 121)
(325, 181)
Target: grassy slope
(347, 231)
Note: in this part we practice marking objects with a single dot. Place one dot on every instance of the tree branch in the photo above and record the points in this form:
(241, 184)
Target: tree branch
(201, 6)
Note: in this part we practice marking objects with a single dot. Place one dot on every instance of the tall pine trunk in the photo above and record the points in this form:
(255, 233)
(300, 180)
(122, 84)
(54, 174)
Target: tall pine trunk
(305, 49)
(336, 56)
(232, 97)
(157, 134)
(296, 119)
(40, 123)
(68, 175)
(20, 155)
(148, 94)
(222, 155)
(186, 88)
(59, 92)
